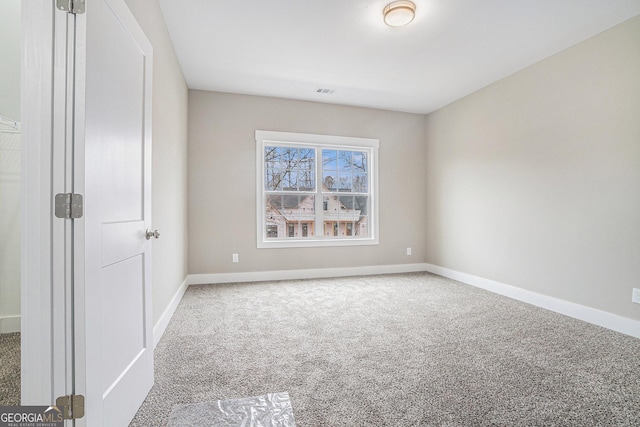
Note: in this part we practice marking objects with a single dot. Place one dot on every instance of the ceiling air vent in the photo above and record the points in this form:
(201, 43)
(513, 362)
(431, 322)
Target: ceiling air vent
(328, 91)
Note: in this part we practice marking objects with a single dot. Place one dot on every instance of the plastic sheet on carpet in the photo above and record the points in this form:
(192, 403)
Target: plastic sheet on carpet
(270, 410)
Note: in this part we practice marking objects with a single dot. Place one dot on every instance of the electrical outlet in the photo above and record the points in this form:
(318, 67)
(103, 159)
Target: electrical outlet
(635, 296)
(234, 257)
(408, 251)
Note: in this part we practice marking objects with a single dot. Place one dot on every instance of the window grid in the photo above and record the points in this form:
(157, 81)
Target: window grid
(314, 193)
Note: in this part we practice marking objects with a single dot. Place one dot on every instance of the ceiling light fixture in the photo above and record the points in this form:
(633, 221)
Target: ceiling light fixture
(399, 13)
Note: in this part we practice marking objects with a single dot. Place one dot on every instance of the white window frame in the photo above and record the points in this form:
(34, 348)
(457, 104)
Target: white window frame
(266, 138)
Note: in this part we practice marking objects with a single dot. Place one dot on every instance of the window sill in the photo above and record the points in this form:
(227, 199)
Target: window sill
(316, 243)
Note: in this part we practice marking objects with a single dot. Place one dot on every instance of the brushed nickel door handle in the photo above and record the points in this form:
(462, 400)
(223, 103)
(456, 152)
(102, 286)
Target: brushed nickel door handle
(149, 234)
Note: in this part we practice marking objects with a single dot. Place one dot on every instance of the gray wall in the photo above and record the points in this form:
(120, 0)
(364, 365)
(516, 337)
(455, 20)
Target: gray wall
(10, 59)
(534, 181)
(10, 154)
(169, 174)
(222, 181)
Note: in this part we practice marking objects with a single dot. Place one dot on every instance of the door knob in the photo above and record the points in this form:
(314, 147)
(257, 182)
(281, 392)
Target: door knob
(149, 234)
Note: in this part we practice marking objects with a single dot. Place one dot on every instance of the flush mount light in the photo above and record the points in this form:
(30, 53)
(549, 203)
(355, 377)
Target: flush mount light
(399, 13)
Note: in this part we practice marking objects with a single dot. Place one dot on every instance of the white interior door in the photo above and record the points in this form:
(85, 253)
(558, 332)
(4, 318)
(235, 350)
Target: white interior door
(114, 342)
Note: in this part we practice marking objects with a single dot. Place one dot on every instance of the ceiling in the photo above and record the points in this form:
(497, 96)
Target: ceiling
(292, 48)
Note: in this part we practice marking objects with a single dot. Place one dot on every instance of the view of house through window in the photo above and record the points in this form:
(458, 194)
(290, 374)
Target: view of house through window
(315, 191)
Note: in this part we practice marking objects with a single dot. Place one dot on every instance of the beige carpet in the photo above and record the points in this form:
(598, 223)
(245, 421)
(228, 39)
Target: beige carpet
(10, 369)
(397, 350)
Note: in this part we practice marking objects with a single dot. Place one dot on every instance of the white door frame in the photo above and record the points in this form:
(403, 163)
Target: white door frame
(47, 370)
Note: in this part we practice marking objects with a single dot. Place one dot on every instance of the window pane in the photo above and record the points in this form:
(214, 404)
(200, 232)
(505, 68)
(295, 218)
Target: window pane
(273, 180)
(290, 180)
(329, 158)
(289, 204)
(359, 162)
(289, 169)
(272, 231)
(360, 184)
(361, 203)
(329, 181)
(307, 170)
(344, 182)
(274, 220)
(307, 208)
(344, 161)
(348, 211)
(345, 216)
(274, 202)
(348, 215)
(344, 171)
(361, 227)
(329, 214)
(290, 216)
(273, 175)
(288, 156)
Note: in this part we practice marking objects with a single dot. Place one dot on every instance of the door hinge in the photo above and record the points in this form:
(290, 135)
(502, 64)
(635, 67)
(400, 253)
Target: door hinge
(72, 406)
(71, 6)
(68, 205)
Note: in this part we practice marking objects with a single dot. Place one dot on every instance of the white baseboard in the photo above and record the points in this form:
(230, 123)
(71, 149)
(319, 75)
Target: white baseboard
(9, 324)
(261, 276)
(577, 311)
(167, 314)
